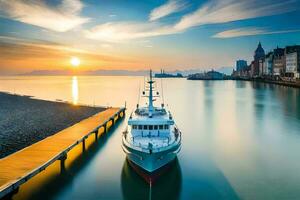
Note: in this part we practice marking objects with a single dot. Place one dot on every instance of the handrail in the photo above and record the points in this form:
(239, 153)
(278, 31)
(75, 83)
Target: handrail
(177, 141)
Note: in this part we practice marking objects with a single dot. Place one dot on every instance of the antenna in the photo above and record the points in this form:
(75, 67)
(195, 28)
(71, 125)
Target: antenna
(162, 91)
(150, 82)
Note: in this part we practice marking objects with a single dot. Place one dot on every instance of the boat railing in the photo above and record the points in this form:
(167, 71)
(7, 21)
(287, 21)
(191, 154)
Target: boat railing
(153, 145)
(145, 112)
(165, 145)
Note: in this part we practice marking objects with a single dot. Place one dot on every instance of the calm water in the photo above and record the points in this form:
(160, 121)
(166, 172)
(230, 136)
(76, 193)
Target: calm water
(241, 140)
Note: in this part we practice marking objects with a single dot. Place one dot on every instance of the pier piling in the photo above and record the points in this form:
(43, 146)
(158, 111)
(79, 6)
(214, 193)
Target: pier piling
(96, 134)
(83, 145)
(62, 159)
(105, 127)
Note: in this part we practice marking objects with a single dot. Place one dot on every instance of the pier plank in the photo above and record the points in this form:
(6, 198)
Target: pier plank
(18, 167)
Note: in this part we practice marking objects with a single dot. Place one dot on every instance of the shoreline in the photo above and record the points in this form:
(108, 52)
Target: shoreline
(25, 120)
(282, 83)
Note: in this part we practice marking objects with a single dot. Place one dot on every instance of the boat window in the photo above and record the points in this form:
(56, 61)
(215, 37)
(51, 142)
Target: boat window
(166, 126)
(155, 127)
(145, 127)
(134, 127)
(140, 127)
(161, 126)
(150, 127)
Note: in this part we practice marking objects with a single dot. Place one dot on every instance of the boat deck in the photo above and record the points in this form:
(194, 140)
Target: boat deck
(156, 142)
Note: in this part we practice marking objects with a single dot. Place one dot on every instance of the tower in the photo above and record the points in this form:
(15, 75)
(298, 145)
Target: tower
(259, 52)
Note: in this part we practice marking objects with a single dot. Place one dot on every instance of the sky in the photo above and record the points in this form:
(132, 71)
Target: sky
(141, 34)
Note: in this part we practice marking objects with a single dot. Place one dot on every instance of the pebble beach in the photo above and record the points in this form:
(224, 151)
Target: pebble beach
(24, 120)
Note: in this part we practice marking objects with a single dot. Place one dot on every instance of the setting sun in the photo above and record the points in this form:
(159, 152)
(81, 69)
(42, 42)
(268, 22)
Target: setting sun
(75, 62)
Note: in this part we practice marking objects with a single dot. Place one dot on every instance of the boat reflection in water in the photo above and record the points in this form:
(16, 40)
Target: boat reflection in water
(165, 186)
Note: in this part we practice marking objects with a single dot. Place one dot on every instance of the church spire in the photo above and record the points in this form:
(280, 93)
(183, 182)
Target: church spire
(259, 52)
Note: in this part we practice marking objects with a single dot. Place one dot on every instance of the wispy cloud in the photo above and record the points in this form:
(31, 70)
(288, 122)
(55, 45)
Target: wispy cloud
(37, 48)
(222, 11)
(123, 31)
(248, 31)
(59, 18)
(172, 6)
(212, 12)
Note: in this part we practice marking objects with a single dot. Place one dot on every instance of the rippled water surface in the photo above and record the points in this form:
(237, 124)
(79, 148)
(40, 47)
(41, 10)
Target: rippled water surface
(241, 140)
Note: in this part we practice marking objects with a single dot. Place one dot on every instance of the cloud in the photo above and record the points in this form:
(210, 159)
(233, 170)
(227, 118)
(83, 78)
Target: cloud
(20, 55)
(222, 11)
(123, 31)
(248, 31)
(172, 6)
(36, 12)
(212, 12)
(35, 49)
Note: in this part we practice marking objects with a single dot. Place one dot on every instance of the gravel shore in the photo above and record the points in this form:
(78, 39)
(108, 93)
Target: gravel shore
(24, 121)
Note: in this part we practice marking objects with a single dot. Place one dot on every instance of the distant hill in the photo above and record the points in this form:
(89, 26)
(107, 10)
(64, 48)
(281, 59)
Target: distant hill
(87, 73)
(47, 73)
(118, 73)
(101, 72)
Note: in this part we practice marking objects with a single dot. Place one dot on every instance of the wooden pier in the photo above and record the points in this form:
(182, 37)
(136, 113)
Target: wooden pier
(19, 167)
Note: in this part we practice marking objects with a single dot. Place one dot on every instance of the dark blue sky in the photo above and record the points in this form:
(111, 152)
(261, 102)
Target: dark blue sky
(175, 34)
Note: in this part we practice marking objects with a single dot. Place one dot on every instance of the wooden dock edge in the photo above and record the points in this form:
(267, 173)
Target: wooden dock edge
(14, 185)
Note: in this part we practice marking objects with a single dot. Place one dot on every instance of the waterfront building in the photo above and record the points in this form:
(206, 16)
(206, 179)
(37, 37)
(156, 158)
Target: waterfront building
(281, 63)
(211, 75)
(261, 68)
(259, 54)
(241, 65)
(163, 74)
(292, 61)
(268, 64)
(215, 75)
(252, 69)
(278, 62)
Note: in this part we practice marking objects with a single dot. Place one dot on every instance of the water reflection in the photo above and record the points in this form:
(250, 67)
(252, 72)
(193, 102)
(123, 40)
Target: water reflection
(237, 135)
(74, 90)
(53, 184)
(168, 186)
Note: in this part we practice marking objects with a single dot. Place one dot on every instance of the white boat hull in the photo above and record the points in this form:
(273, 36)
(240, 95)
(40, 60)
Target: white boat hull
(151, 162)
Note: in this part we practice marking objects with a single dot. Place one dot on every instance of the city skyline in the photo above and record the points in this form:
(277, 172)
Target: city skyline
(135, 35)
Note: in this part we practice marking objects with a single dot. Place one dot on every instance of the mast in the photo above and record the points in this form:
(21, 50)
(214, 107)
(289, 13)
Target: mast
(150, 93)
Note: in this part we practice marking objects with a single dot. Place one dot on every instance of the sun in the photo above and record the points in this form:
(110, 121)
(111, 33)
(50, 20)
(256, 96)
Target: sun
(75, 62)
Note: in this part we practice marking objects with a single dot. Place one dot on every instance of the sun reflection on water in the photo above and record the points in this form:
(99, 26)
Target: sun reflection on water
(74, 90)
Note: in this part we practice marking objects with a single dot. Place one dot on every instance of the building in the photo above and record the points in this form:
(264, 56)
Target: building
(292, 61)
(278, 62)
(252, 69)
(268, 64)
(261, 69)
(163, 74)
(259, 54)
(211, 75)
(241, 65)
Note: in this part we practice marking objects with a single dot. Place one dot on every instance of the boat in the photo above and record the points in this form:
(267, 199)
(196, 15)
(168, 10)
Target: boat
(151, 139)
